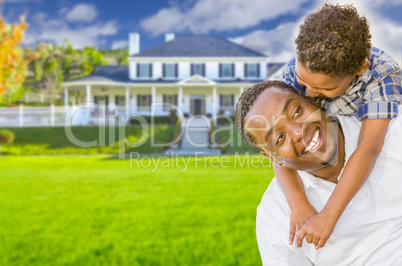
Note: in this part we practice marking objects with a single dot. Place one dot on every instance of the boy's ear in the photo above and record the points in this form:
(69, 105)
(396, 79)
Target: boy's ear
(268, 155)
(363, 68)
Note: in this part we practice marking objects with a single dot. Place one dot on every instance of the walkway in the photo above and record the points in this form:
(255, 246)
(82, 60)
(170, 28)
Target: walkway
(194, 139)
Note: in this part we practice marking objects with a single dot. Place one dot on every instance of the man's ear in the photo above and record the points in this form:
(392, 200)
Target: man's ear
(363, 68)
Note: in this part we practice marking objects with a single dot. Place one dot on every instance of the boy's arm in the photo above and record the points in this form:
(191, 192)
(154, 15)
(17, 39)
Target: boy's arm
(371, 139)
(292, 187)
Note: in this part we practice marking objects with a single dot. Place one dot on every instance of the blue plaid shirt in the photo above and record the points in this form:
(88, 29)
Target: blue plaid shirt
(374, 94)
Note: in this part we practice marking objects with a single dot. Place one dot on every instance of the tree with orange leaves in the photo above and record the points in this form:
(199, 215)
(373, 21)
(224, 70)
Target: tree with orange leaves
(13, 61)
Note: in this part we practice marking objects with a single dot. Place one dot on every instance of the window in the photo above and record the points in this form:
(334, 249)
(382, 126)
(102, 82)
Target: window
(169, 70)
(227, 100)
(144, 102)
(252, 70)
(120, 100)
(144, 70)
(198, 69)
(226, 70)
(170, 99)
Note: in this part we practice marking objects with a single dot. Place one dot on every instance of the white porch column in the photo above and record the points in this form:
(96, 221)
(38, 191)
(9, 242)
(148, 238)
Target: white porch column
(180, 98)
(66, 97)
(88, 93)
(241, 91)
(127, 101)
(214, 104)
(153, 94)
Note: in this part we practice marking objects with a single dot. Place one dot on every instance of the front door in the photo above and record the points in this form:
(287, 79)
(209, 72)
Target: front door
(197, 107)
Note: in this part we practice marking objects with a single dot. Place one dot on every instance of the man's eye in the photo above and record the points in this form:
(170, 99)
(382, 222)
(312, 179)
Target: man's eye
(296, 113)
(280, 138)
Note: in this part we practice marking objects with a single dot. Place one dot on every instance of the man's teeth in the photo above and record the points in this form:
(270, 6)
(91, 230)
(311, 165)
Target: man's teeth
(314, 142)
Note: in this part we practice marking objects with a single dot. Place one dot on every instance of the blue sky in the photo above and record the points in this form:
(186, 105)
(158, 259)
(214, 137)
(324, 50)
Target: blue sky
(268, 26)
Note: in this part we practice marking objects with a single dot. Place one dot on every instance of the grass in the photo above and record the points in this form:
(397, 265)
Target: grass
(99, 211)
(53, 140)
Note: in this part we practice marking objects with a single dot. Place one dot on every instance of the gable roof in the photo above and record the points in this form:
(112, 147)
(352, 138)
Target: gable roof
(198, 46)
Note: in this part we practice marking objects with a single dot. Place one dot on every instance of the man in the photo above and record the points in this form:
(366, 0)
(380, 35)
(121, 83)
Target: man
(293, 131)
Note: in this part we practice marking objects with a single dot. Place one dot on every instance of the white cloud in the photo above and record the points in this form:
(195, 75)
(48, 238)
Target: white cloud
(82, 12)
(121, 44)
(279, 43)
(44, 29)
(218, 15)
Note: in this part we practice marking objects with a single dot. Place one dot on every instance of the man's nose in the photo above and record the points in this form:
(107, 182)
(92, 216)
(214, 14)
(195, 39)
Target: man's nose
(311, 92)
(295, 131)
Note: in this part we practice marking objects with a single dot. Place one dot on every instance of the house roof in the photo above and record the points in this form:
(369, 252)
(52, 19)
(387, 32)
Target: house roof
(199, 46)
(107, 74)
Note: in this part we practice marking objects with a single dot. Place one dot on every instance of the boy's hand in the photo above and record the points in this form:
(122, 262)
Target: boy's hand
(317, 230)
(298, 217)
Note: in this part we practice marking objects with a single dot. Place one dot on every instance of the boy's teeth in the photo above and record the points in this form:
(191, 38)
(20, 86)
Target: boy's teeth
(314, 142)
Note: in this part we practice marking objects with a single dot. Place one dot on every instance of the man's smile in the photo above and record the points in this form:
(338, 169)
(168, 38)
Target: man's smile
(315, 143)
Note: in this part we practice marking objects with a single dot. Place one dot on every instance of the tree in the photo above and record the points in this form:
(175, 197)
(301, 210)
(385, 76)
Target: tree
(13, 60)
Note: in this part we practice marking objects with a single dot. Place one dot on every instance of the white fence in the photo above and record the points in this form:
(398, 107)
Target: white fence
(32, 116)
(54, 116)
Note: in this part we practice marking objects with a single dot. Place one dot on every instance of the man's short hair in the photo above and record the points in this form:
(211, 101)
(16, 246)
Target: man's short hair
(247, 100)
(334, 40)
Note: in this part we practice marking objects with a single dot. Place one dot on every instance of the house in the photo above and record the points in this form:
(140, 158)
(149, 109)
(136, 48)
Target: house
(200, 74)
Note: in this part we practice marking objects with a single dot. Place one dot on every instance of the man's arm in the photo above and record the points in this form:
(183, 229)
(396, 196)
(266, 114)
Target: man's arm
(371, 139)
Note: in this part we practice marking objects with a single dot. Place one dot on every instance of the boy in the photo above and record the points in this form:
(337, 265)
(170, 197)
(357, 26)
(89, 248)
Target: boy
(338, 68)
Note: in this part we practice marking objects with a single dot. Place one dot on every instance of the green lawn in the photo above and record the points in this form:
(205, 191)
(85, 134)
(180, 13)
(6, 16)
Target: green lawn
(99, 211)
(54, 141)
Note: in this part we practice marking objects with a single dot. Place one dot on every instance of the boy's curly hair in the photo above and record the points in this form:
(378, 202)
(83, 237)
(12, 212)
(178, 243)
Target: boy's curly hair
(334, 40)
(246, 101)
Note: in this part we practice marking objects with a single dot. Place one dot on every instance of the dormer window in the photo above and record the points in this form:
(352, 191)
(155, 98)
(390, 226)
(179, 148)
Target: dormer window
(252, 70)
(144, 70)
(226, 70)
(198, 69)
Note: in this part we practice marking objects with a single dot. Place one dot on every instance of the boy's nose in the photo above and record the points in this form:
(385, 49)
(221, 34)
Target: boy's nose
(311, 92)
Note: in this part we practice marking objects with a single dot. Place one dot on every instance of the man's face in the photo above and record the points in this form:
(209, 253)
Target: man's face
(287, 126)
(321, 85)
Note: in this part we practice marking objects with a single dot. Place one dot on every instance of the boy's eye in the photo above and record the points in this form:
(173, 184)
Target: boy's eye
(296, 113)
(280, 137)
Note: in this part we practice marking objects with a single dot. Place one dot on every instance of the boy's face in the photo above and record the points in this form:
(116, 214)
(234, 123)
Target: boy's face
(321, 85)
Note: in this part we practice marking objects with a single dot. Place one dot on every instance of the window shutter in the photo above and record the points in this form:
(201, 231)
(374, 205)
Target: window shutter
(164, 98)
(96, 99)
(203, 70)
(192, 69)
(221, 100)
(149, 99)
(116, 100)
(176, 70)
(164, 70)
(106, 101)
(245, 70)
(233, 70)
(150, 70)
(220, 70)
(175, 99)
(258, 70)
(138, 101)
(138, 70)
(232, 99)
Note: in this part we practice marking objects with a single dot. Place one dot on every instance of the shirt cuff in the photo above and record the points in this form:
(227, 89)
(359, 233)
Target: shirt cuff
(376, 110)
